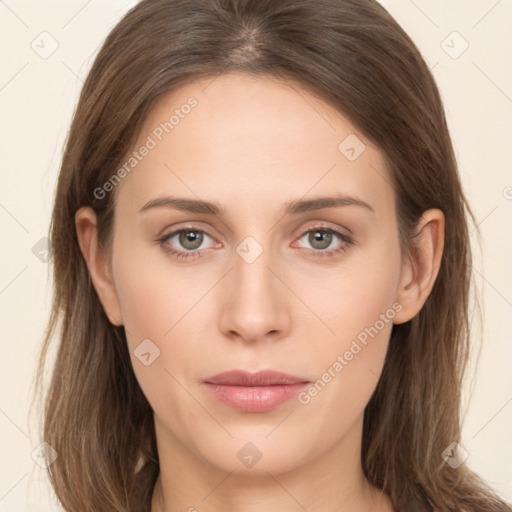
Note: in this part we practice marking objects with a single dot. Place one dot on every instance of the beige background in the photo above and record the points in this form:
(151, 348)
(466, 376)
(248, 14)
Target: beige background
(37, 98)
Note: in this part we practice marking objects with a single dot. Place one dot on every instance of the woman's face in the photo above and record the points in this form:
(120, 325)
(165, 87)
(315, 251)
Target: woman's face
(271, 281)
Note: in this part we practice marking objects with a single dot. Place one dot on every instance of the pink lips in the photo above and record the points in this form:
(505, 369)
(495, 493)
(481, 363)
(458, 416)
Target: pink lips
(254, 392)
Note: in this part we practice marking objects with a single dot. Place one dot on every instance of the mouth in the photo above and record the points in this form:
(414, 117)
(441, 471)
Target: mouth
(254, 392)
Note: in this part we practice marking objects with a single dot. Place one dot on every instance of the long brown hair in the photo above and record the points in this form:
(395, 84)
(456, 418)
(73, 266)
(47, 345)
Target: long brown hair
(353, 55)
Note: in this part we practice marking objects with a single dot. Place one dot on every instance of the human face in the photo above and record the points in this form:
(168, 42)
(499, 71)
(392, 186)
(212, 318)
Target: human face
(288, 298)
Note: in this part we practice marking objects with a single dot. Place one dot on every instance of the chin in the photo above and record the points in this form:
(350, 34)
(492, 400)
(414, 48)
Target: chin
(254, 455)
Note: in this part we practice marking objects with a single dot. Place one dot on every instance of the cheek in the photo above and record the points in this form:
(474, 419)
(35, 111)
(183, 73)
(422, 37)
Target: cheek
(153, 292)
(355, 296)
(358, 305)
(146, 303)
(161, 306)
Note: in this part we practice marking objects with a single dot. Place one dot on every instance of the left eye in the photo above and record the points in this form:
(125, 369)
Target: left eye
(321, 239)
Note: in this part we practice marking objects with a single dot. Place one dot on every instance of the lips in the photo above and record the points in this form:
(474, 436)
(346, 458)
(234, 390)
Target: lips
(254, 392)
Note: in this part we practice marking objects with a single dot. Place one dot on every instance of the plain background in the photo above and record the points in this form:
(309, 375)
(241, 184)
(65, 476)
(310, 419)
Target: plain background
(38, 93)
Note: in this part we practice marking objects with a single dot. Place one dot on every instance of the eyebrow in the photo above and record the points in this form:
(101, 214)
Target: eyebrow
(290, 208)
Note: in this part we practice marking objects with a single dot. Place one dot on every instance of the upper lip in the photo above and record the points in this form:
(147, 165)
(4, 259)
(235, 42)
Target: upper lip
(261, 378)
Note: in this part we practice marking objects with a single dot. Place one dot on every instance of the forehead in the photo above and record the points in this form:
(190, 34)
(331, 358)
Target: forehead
(240, 138)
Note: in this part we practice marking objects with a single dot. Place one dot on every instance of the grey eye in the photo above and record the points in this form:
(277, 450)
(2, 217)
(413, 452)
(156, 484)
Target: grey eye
(320, 239)
(190, 239)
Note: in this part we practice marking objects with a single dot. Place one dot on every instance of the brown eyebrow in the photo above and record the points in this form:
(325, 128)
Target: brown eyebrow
(187, 205)
(290, 208)
(319, 203)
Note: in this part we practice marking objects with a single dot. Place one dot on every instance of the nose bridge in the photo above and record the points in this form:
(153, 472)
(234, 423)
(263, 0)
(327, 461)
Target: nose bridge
(253, 305)
(253, 279)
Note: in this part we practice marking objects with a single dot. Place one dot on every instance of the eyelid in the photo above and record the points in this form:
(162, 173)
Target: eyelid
(322, 225)
(192, 225)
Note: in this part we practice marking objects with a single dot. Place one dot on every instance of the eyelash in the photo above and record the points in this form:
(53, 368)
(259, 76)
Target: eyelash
(347, 242)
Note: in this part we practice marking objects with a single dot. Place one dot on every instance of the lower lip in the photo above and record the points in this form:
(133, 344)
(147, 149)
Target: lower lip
(254, 398)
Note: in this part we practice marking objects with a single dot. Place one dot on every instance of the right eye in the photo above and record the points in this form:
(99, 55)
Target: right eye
(184, 243)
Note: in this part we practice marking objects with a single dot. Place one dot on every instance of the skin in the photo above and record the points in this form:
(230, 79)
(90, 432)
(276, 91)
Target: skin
(251, 145)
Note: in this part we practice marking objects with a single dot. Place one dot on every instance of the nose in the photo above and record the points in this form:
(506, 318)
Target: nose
(254, 302)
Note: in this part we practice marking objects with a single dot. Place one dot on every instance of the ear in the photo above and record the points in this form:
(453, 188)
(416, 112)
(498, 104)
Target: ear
(420, 269)
(97, 263)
